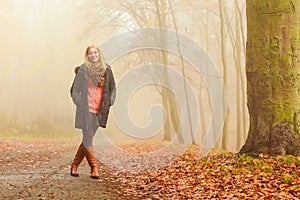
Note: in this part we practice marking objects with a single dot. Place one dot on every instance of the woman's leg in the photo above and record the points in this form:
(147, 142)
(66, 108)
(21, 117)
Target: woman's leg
(88, 144)
(77, 160)
(88, 134)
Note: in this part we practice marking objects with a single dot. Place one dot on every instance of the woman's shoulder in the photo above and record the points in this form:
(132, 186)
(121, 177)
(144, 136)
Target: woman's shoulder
(82, 67)
(108, 66)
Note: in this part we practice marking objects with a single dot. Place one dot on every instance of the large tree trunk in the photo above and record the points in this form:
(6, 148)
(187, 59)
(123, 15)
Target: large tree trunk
(272, 68)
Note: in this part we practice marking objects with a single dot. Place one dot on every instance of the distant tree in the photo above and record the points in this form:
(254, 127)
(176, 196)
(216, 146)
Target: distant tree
(273, 81)
(225, 73)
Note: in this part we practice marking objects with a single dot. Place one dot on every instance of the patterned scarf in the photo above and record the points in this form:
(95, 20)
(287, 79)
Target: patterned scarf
(97, 75)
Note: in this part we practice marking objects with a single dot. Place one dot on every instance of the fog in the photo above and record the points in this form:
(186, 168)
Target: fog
(38, 52)
(43, 41)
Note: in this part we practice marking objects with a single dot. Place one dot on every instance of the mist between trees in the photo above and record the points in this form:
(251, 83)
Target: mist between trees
(45, 40)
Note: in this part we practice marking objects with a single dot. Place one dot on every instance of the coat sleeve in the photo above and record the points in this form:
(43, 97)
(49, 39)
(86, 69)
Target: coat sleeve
(112, 88)
(77, 87)
(76, 71)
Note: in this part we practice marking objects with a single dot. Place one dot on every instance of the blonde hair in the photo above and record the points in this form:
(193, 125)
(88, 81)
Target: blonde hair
(100, 63)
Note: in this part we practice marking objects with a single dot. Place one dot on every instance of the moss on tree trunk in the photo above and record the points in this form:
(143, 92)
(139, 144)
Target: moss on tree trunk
(273, 82)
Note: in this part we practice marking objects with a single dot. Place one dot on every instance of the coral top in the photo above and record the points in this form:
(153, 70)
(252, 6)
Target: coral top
(94, 96)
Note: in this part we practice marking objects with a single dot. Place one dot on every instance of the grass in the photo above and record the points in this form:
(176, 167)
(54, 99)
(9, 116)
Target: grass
(290, 160)
(36, 137)
(39, 127)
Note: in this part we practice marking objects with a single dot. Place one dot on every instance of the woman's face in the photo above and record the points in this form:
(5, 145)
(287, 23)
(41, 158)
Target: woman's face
(93, 55)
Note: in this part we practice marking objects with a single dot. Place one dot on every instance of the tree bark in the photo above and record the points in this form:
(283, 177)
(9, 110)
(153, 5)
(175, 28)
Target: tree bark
(273, 81)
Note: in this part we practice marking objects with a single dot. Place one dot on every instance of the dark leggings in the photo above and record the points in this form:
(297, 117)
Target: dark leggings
(89, 133)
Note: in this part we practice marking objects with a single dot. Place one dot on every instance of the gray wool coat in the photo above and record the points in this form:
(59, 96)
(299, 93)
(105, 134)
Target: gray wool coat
(79, 96)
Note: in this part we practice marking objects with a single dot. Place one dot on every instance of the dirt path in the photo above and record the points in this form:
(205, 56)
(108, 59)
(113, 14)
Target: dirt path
(41, 171)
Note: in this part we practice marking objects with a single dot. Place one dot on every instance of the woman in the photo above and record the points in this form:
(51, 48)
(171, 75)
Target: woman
(93, 92)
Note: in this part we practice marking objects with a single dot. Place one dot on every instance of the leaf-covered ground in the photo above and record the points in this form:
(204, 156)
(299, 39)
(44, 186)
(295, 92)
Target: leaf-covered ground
(42, 171)
(216, 176)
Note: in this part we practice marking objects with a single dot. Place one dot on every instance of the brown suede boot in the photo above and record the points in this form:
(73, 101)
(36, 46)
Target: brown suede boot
(89, 153)
(77, 160)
